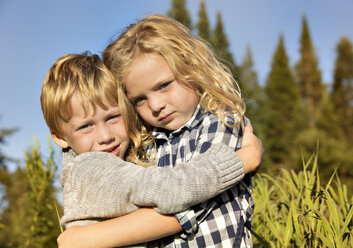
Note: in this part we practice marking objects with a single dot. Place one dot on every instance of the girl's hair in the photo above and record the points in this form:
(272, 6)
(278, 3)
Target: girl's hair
(85, 76)
(190, 59)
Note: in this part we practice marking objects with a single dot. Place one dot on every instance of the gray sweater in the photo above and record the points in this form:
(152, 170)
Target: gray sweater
(98, 185)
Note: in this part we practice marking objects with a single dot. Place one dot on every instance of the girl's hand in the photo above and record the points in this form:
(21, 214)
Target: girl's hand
(251, 152)
(72, 237)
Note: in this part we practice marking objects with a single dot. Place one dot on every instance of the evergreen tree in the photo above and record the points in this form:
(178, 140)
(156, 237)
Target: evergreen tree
(342, 90)
(28, 217)
(15, 216)
(180, 13)
(7, 184)
(4, 133)
(283, 112)
(43, 228)
(252, 92)
(203, 25)
(308, 73)
(327, 138)
(327, 119)
(220, 41)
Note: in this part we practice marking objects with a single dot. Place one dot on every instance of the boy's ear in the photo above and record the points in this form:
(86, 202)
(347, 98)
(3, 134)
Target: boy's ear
(59, 140)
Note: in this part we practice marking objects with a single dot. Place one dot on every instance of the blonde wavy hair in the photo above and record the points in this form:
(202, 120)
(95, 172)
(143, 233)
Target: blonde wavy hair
(85, 76)
(189, 57)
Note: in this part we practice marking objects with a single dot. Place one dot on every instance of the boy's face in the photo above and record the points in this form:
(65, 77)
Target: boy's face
(160, 99)
(102, 130)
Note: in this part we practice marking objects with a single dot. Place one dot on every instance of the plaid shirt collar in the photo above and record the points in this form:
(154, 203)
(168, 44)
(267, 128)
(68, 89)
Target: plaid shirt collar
(195, 119)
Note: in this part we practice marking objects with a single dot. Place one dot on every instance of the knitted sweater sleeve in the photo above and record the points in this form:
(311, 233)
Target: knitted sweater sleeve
(98, 186)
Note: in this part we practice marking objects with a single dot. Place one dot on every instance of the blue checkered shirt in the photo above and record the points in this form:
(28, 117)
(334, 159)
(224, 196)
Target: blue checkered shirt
(225, 220)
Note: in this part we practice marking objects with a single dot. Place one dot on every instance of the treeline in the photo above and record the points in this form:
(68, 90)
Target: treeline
(294, 112)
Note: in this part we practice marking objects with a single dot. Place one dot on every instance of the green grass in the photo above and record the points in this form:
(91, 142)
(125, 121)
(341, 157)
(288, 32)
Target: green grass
(58, 215)
(295, 210)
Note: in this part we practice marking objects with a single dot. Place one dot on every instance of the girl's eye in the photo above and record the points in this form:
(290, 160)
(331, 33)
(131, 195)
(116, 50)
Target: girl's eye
(139, 101)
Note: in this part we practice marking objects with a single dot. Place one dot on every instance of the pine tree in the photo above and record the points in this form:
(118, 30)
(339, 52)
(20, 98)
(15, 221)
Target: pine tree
(252, 91)
(14, 213)
(342, 90)
(4, 133)
(28, 217)
(43, 227)
(308, 73)
(326, 138)
(203, 25)
(283, 112)
(220, 41)
(10, 184)
(180, 13)
(327, 119)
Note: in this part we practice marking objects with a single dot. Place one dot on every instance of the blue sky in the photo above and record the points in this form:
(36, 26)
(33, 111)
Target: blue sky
(33, 34)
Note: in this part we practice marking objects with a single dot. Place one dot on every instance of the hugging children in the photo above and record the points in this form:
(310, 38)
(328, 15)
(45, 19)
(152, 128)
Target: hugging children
(189, 118)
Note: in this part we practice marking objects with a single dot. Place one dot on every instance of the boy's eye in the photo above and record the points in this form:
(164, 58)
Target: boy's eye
(84, 127)
(165, 85)
(114, 117)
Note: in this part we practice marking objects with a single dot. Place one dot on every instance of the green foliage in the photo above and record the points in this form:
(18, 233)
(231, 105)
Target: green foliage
(342, 90)
(283, 112)
(203, 25)
(220, 42)
(15, 202)
(180, 13)
(252, 92)
(295, 210)
(28, 217)
(4, 133)
(43, 227)
(308, 73)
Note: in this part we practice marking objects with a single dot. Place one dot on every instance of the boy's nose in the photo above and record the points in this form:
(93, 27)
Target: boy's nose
(104, 135)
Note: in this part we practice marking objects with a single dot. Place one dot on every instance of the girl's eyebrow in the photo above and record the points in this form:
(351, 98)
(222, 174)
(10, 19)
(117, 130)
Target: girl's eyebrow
(163, 81)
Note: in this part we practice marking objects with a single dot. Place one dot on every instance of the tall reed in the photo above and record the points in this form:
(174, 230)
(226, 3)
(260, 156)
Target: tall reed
(295, 210)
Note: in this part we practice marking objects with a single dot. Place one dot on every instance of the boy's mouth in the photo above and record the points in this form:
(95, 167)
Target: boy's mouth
(113, 150)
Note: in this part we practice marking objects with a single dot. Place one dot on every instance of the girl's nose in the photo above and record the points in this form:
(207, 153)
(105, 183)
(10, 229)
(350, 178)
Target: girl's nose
(156, 103)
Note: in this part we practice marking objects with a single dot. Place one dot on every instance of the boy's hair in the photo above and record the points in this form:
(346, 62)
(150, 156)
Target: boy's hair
(86, 76)
(190, 59)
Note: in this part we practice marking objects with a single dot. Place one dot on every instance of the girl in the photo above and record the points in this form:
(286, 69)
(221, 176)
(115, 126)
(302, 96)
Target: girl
(191, 100)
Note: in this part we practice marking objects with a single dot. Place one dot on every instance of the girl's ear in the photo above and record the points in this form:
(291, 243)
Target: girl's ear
(59, 140)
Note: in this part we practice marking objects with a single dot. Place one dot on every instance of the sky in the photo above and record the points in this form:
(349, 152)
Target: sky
(33, 34)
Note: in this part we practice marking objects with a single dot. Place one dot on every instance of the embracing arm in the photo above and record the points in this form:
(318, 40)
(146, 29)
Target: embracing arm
(98, 186)
(137, 227)
(151, 225)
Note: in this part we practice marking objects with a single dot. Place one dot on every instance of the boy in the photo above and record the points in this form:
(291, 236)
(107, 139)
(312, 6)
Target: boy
(79, 103)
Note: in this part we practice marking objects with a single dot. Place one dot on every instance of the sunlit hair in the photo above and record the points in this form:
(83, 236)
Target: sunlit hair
(85, 75)
(189, 57)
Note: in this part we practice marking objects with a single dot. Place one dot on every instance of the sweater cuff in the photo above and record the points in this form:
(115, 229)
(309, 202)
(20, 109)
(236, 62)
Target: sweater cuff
(228, 163)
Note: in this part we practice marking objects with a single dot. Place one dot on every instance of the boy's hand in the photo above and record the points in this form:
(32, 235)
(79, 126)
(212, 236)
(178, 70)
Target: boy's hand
(251, 152)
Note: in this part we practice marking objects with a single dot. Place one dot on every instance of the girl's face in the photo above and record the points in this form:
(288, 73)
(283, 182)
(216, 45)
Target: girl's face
(99, 130)
(160, 99)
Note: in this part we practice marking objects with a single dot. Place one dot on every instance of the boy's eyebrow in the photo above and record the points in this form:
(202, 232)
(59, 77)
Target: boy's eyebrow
(81, 121)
